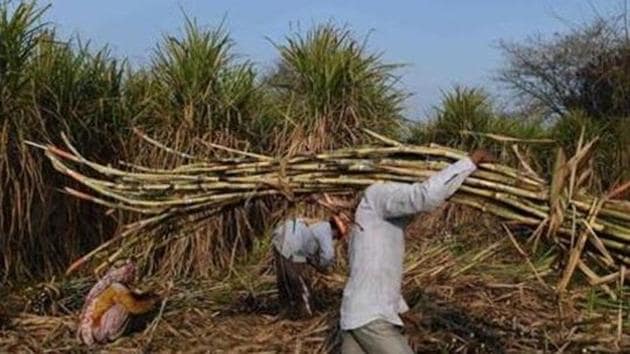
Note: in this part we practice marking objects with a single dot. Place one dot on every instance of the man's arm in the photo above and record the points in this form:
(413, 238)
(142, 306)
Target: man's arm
(319, 266)
(409, 199)
(325, 255)
(132, 302)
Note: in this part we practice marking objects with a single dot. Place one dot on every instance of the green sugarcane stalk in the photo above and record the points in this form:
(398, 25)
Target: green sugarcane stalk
(207, 186)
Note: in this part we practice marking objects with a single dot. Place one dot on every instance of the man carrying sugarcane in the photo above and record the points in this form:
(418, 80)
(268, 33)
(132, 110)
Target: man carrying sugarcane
(372, 303)
(300, 246)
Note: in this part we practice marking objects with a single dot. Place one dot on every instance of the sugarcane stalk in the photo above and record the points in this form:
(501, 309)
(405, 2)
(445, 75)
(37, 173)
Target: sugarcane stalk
(207, 186)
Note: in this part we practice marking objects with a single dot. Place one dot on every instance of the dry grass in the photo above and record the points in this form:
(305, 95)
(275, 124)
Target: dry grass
(471, 287)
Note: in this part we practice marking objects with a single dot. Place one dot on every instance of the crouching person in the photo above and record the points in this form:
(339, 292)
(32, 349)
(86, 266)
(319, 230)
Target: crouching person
(110, 304)
(299, 248)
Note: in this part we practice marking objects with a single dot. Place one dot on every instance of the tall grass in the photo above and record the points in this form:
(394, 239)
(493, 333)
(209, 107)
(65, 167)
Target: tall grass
(462, 110)
(611, 158)
(467, 119)
(328, 85)
(78, 91)
(200, 83)
(48, 85)
(196, 91)
(21, 182)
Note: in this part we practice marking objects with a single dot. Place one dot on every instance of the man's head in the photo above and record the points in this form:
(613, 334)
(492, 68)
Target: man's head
(123, 271)
(340, 221)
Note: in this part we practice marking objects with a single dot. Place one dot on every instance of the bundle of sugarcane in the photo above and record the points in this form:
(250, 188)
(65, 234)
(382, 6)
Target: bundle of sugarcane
(182, 197)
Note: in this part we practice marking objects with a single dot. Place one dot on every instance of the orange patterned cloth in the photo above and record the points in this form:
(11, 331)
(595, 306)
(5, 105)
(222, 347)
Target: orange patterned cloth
(110, 323)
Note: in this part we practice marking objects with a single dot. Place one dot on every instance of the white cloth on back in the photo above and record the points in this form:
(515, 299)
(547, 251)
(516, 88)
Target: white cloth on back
(377, 245)
(299, 241)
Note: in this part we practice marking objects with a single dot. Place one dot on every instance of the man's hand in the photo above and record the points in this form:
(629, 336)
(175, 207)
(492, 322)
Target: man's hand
(480, 156)
(315, 263)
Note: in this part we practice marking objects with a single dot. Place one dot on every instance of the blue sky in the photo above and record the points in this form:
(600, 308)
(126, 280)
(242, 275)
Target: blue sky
(444, 42)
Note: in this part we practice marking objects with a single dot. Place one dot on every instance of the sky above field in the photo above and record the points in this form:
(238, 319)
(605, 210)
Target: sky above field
(443, 42)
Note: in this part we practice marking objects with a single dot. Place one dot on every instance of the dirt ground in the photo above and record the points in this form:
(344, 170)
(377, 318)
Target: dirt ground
(471, 289)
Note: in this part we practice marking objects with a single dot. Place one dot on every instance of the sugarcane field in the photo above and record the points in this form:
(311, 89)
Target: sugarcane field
(314, 177)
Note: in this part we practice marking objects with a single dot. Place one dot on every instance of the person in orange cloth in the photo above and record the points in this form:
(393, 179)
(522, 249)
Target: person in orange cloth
(109, 305)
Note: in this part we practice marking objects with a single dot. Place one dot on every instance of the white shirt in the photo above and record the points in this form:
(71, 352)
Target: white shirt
(377, 245)
(297, 241)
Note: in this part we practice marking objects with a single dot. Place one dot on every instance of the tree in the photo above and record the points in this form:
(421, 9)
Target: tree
(587, 69)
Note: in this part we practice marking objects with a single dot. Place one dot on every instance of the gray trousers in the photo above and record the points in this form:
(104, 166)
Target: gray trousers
(376, 337)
